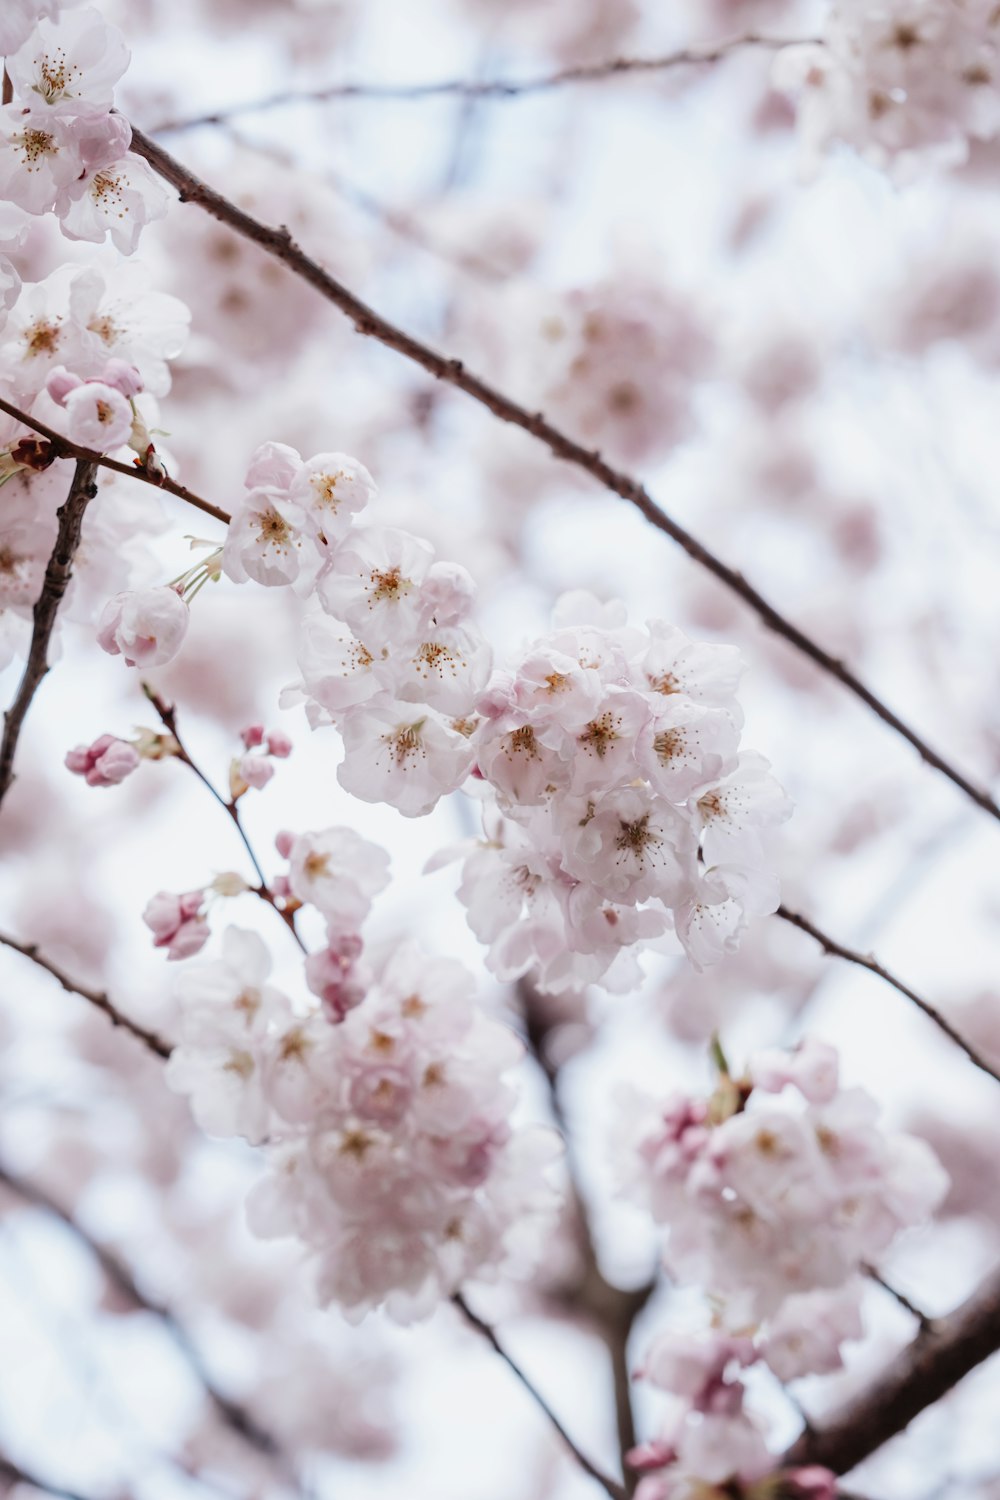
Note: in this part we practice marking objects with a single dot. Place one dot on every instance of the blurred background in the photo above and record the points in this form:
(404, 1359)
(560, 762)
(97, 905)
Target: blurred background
(800, 357)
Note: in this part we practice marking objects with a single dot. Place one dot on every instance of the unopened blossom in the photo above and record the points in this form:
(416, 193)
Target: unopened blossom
(178, 923)
(106, 762)
(146, 627)
(98, 417)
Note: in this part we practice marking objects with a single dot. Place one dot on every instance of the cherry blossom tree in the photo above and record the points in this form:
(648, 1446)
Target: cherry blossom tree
(497, 786)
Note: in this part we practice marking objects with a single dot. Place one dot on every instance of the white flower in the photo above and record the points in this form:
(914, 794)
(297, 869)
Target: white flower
(339, 872)
(70, 67)
(146, 627)
(374, 584)
(402, 753)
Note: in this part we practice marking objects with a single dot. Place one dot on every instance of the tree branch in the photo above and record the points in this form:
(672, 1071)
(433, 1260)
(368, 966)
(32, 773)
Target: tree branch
(612, 1310)
(97, 998)
(868, 961)
(939, 1357)
(279, 243)
(615, 1490)
(232, 1413)
(63, 448)
(168, 717)
(54, 585)
(489, 88)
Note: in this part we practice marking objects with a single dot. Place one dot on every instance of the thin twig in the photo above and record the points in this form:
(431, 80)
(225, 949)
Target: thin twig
(922, 1318)
(168, 717)
(278, 242)
(611, 1309)
(65, 449)
(97, 998)
(868, 961)
(488, 88)
(611, 1486)
(397, 221)
(54, 585)
(235, 1416)
(937, 1359)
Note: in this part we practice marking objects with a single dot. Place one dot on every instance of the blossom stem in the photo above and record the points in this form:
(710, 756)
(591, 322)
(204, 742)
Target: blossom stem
(57, 576)
(63, 448)
(118, 1275)
(97, 998)
(278, 242)
(611, 1486)
(168, 717)
(491, 88)
(612, 1309)
(939, 1357)
(868, 961)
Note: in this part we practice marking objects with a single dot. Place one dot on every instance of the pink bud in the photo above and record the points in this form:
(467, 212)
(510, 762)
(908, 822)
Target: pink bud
(123, 377)
(811, 1483)
(252, 736)
(60, 383)
(256, 771)
(279, 745)
(283, 843)
(104, 763)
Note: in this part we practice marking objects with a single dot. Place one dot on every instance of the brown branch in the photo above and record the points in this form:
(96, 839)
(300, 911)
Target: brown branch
(65, 449)
(611, 1486)
(54, 585)
(118, 1275)
(279, 243)
(938, 1358)
(867, 961)
(168, 717)
(97, 998)
(489, 88)
(611, 1309)
(899, 1297)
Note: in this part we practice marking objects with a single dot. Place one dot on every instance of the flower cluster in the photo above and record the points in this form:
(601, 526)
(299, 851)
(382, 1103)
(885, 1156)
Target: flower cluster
(388, 652)
(63, 149)
(392, 1153)
(776, 1192)
(624, 806)
(900, 81)
(100, 410)
(254, 767)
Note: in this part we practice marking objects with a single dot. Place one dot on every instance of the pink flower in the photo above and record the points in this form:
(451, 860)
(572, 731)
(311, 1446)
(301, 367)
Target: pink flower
(99, 416)
(279, 745)
(255, 770)
(104, 763)
(177, 923)
(146, 627)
